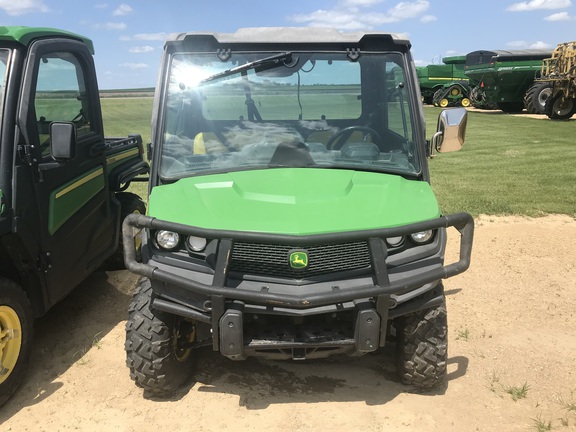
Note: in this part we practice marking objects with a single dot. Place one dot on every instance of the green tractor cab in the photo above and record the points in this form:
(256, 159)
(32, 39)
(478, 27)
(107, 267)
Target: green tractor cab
(445, 85)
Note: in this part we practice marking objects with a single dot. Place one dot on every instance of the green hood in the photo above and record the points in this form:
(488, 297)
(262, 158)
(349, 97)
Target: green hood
(298, 201)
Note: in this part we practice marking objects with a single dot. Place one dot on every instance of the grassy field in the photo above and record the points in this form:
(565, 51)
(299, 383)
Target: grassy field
(509, 164)
(124, 116)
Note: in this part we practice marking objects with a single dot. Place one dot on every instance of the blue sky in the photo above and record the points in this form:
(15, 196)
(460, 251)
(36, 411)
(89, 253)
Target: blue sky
(128, 35)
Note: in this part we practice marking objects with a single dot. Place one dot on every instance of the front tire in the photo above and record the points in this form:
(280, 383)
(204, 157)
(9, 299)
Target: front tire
(16, 330)
(423, 347)
(155, 355)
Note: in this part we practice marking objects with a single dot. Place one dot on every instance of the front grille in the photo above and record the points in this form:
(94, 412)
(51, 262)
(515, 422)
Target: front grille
(273, 260)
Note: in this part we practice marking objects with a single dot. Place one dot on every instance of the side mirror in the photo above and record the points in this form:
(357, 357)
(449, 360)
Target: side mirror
(451, 130)
(62, 140)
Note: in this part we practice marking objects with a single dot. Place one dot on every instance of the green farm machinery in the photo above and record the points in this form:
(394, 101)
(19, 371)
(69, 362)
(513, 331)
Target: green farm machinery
(558, 76)
(506, 79)
(445, 84)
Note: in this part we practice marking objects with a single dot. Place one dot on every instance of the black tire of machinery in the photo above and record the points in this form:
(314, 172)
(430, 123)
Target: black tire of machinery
(423, 347)
(149, 350)
(532, 96)
(550, 112)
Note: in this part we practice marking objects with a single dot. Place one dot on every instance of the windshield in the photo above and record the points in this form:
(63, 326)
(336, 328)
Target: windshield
(4, 56)
(287, 109)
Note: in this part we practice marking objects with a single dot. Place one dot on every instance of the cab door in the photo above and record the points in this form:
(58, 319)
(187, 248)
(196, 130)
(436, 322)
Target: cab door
(71, 196)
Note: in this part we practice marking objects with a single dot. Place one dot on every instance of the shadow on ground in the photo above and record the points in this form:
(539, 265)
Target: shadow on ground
(260, 383)
(68, 331)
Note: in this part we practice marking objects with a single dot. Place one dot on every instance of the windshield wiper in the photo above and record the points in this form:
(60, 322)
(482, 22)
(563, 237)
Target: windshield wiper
(269, 62)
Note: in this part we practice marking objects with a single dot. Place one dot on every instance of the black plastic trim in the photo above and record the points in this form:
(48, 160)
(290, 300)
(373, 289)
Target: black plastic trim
(463, 222)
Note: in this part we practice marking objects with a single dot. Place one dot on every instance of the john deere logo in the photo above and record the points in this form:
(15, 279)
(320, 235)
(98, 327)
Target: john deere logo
(298, 260)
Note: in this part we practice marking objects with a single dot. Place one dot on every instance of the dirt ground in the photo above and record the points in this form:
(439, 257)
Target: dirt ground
(512, 326)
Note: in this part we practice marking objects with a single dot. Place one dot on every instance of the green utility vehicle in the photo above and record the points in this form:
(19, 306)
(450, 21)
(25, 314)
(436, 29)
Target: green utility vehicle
(445, 84)
(61, 183)
(290, 213)
(505, 79)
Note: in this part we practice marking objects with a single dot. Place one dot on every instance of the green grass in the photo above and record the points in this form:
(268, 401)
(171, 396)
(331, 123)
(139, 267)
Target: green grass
(517, 392)
(509, 164)
(541, 425)
(124, 116)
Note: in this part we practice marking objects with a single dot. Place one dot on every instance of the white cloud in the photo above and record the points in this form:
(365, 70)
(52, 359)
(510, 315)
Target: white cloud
(123, 9)
(21, 7)
(522, 44)
(538, 4)
(560, 16)
(141, 49)
(405, 10)
(134, 66)
(347, 16)
(540, 45)
(359, 3)
(428, 19)
(111, 26)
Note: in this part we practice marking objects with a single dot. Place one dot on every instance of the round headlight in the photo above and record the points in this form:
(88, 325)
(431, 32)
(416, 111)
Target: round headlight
(167, 239)
(394, 241)
(197, 244)
(422, 236)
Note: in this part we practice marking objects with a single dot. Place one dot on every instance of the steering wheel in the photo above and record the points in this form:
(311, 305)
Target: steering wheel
(336, 141)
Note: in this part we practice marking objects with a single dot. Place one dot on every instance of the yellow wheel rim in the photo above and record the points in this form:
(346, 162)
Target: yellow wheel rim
(465, 102)
(10, 341)
(444, 103)
(455, 91)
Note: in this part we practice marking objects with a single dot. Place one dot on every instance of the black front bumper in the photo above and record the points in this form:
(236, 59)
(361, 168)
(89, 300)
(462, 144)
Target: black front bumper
(228, 307)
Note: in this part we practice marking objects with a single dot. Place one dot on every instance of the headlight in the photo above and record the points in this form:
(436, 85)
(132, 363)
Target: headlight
(422, 236)
(196, 244)
(394, 241)
(167, 239)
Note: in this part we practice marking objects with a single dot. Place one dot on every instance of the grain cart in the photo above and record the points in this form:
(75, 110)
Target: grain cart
(559, 76)
(290, 213)
(446, 84)
(62, 183)
(504, 76)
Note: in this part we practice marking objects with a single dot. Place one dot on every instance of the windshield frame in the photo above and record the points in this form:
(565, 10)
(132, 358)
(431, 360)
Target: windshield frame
(270, 59)
(5, 60)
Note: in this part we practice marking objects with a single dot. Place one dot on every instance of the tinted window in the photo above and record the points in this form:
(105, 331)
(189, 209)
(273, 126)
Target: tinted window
(61, 96)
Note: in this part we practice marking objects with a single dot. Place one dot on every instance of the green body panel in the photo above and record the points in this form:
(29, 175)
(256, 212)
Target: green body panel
(297, 201)
(25, 35)
(69, 198)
